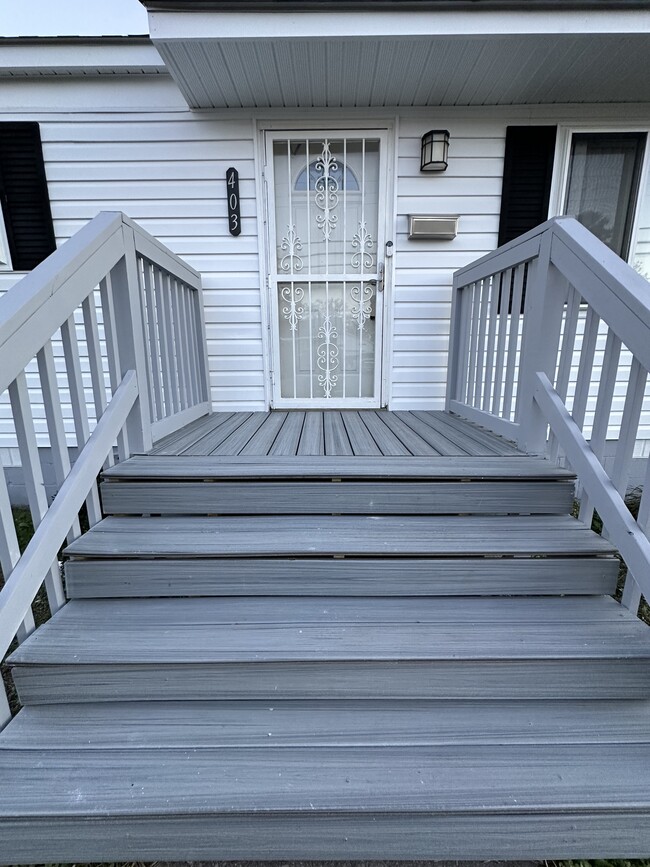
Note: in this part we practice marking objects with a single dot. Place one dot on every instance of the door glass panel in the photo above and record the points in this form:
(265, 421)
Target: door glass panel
(326, 206)
(603, 182)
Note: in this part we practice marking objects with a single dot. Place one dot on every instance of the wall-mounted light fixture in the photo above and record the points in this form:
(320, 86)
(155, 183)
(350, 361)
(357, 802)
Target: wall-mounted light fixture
(435, 145)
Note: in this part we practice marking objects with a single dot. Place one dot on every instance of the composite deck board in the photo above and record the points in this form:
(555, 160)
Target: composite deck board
(311, 536)
(176, 442)
(442, 445)
(328, 467)
(235, 441)
(262, 441)
(312, 438)
(383, 576)
(337, 441)
(360, 438)
(470, 438)
(156, 725)
(389, 433)
(491, 778)
(287, 440)
(371, 498)
(390, 445)
(212, 439)
(415, 444)
(215, 630)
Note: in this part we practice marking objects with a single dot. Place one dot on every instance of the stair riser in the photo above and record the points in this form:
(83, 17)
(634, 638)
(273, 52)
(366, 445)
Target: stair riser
(276, 498)
(316, 837)
(277, 681)
(348, 577)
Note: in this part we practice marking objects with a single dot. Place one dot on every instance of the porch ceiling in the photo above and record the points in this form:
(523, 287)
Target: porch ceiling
(222, 60)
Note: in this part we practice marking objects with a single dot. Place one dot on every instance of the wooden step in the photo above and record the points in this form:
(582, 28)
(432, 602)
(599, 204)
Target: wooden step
(523, 496)
(381, 576)
(133, 725)
(479, 781)
(255, 467)
(274, 648)
(313, 536)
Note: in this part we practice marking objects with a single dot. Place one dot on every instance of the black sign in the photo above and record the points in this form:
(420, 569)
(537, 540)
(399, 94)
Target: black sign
(232, 191)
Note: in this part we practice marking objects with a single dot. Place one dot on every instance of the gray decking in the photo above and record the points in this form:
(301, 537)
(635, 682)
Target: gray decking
(366, 432)
(332, 636)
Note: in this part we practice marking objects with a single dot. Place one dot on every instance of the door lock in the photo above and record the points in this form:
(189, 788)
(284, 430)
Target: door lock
(379, 282)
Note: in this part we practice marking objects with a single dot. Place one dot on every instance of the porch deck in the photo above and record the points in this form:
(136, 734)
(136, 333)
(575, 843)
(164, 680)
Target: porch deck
(318, 433)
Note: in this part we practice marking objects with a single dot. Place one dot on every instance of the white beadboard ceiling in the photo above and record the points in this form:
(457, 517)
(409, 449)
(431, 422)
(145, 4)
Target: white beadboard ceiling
(266, 60)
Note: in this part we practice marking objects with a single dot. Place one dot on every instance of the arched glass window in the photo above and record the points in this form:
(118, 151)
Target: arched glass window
(346, 180)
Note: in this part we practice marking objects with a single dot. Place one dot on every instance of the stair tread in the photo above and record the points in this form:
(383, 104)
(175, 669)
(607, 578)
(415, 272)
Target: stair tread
(352, 535)
(204, 724)
(306, 466)
(490, 779)
(215, 630)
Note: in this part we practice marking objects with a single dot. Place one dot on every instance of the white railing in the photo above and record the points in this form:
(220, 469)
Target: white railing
(140, 309)
(515, 341)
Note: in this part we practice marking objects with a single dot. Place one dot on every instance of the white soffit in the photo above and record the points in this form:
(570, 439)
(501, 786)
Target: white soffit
(266, 60)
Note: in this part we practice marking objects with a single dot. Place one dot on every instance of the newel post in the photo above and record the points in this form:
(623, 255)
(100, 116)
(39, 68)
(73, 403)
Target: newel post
(546, 295)
(129, 327)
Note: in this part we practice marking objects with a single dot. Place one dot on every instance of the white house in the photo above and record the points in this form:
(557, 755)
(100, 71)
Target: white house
(366, 624)
(325, 294)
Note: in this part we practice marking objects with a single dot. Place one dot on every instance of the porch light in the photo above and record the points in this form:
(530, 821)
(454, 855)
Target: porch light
(435, 145)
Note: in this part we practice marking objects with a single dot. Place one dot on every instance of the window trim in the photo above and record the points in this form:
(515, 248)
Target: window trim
(560, 179)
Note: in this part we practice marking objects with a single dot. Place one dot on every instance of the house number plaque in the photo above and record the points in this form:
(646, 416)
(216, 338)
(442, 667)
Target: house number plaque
(232, 190)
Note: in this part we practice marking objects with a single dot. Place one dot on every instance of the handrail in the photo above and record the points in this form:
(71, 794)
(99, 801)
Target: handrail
(140, 309)
(527, 320)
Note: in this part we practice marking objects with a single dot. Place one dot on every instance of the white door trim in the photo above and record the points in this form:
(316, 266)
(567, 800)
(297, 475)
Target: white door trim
(267, 131)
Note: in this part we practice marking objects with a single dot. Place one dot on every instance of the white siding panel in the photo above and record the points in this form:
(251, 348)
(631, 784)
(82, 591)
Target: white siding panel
(471, 189)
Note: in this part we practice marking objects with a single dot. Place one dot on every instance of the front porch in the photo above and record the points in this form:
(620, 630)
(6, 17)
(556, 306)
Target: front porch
(327, 635)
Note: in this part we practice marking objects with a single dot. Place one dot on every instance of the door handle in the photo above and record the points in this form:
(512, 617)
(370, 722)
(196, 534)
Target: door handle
(379, 282)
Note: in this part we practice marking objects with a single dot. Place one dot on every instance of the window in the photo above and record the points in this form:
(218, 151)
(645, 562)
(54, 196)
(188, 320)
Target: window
(26, 232)
(603, 183)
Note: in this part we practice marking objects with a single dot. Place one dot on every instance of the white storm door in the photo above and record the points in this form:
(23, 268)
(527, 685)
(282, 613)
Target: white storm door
(327, 224)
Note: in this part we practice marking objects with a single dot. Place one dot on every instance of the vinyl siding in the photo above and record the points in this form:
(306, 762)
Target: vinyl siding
(145, 154)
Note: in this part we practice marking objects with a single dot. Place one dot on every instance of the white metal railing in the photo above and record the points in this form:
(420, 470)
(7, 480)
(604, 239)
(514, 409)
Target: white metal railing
(515, 341)
(141, 312)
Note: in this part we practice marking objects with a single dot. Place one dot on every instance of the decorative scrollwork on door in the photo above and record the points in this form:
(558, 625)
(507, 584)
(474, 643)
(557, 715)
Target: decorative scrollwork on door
(362, 294)
(293, 310)
(327, 187)
(328, 355)
(293, 245)
(362, 242)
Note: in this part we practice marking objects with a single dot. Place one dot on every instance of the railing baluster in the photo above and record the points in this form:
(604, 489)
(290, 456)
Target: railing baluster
(172, 328)
(179, 333)
(33, 477)
(603, 411)
(565, 360)
(195, 331)
(170, 398)
(513, 340)
(55, 424)
(493, 321)
(474, 322)
(187, 343)
(113, 354)
(629, 426)
(486, 286)
(95, 361)
(157, 407)
(505, 282)
(79, 407)
(585, 366)
(10, 555)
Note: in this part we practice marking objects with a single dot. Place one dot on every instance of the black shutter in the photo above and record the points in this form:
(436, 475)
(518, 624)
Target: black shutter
(527, 172)
(23, 191)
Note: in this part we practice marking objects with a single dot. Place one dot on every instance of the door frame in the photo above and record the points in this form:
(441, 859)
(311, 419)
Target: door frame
(323, 126)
